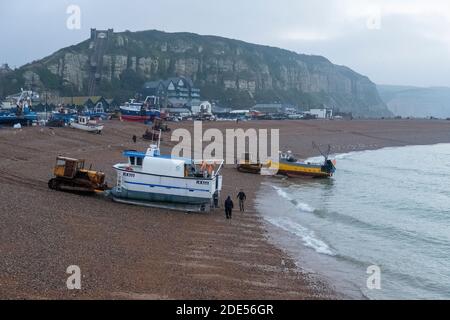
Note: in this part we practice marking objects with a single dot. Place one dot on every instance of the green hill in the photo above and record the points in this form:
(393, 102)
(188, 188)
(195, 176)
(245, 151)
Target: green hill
(236, 73)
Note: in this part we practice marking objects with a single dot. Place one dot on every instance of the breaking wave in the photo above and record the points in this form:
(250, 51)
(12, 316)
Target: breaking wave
(308, 236)
(299, 205)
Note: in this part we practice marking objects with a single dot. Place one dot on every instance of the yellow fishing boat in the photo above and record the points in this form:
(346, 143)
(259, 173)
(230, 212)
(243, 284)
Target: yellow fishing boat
(289, 166)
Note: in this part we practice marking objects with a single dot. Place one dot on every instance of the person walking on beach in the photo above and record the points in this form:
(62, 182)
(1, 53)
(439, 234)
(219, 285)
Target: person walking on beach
(242, 197)
(229, 205)
(134, 138)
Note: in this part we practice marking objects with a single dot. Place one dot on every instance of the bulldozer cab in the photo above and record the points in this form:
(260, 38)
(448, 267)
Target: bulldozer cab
(67, 167)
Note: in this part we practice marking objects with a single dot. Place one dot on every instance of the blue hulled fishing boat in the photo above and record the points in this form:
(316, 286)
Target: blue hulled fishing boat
(140, 111)
(22, 113)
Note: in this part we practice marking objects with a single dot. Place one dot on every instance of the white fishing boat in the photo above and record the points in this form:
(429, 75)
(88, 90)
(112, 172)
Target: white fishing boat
(84, 123)
(151, 179)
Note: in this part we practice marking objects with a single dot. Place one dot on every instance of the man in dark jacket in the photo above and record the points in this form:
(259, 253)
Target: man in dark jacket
(229, 205)
(242, 197)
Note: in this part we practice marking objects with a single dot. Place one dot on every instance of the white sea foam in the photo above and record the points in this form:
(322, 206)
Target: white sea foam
(337, 156)
(308, 236)
(304, 207)
(282, 193)
(299, 205)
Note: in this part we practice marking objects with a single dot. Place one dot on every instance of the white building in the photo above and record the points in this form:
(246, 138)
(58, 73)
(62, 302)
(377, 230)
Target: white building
(322, 113)
(204, 107)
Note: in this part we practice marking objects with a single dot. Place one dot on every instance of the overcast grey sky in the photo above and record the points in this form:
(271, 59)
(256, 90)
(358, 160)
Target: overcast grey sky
(390, 41)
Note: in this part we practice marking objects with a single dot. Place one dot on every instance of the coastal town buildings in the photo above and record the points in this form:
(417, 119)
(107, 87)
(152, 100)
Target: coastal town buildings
(173, 92)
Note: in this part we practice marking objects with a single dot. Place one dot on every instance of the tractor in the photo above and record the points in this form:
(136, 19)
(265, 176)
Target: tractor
(70, 175)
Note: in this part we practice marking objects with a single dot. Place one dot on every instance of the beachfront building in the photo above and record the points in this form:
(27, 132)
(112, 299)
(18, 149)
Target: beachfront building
(204, 107)
(173, 92)
(321, 113)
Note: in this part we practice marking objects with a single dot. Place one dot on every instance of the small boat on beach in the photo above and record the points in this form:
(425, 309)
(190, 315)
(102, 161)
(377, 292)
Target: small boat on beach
(155, 180)
(86, 124)
(248, 165)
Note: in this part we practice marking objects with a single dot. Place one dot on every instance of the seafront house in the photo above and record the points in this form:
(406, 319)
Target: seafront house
(173, 92)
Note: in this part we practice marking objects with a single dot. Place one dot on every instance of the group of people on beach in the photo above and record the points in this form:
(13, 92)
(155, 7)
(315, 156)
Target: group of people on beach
(229, 205)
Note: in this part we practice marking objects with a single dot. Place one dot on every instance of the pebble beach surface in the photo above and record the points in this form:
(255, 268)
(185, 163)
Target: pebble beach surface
(129, 252)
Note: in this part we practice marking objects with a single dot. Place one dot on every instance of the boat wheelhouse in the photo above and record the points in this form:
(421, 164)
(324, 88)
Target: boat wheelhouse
(151, 179)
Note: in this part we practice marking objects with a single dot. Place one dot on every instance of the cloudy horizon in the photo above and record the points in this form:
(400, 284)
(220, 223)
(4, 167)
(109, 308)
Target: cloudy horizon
(397, 42)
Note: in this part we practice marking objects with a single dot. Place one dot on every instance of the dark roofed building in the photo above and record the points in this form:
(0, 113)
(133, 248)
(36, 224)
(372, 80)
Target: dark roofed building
(175, 92)
(86, 101)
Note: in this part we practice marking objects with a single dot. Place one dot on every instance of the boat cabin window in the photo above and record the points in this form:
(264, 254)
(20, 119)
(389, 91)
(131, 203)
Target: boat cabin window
(136, 161)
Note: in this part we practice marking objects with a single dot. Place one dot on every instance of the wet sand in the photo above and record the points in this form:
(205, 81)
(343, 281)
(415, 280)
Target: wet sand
(128, 252)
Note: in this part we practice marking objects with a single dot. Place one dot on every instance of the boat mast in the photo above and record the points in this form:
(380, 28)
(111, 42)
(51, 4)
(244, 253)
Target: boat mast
(315, 146)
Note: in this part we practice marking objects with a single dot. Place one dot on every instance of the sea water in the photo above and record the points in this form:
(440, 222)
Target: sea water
(388, 208)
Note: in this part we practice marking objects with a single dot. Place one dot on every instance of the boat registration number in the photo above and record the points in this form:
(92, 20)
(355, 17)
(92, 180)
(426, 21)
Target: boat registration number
(131, 175)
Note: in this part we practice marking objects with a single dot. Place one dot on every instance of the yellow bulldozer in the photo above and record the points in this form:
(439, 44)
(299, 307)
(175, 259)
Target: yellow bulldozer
(70, 175)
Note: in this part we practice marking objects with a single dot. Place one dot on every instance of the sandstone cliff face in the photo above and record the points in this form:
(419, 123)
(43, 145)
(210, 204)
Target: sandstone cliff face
(222, 68)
